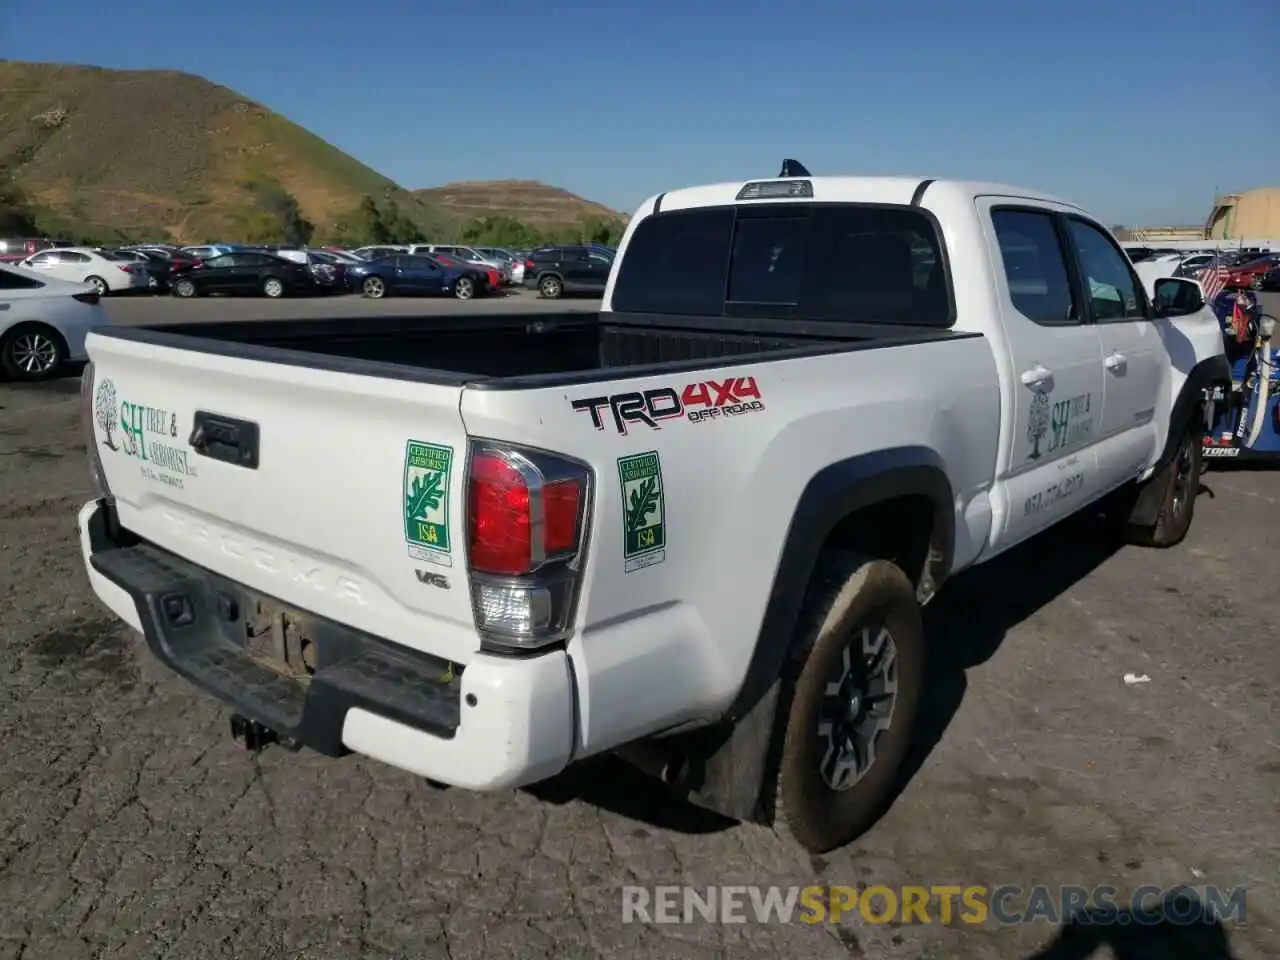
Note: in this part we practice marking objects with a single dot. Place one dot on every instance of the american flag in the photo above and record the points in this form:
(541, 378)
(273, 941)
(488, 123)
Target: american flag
(1213, 278)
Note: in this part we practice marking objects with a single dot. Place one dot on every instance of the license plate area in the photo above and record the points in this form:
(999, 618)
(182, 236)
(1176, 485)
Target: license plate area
(282, 639)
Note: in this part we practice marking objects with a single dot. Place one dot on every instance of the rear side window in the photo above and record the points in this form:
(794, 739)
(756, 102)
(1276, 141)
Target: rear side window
(1035, 267)
(841, 263)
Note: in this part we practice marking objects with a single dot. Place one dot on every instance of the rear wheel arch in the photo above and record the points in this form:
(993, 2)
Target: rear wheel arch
(894, 504)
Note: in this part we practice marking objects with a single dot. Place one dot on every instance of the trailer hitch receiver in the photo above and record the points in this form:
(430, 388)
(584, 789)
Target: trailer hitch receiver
(254, 735)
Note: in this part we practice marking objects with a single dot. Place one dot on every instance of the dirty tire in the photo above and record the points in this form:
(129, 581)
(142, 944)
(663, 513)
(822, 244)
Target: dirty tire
(1180, 479)
(550, 287)
(849, 594)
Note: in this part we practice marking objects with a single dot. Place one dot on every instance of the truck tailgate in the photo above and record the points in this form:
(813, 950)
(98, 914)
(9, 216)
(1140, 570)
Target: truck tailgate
(347, 503)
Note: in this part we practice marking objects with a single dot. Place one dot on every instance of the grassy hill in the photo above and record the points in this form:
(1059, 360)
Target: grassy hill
(537, 204)
(162, 154)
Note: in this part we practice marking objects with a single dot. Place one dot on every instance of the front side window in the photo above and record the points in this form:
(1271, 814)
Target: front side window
(1113, 291)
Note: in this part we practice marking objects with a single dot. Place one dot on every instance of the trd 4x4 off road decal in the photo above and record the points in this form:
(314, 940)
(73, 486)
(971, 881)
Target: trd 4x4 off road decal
(696, 402)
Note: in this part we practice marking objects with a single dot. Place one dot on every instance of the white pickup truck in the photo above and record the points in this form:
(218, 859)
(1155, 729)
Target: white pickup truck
(695, 528)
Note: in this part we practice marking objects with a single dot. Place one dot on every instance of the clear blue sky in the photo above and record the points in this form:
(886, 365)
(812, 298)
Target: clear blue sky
(1108, 102)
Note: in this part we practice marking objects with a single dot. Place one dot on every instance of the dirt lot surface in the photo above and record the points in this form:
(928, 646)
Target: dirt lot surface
(132, 826)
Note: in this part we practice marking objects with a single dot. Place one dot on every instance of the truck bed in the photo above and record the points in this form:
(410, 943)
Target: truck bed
(515, 350)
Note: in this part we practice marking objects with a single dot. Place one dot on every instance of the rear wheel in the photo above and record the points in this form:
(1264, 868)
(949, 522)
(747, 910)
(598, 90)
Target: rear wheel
(464, 289)
(550, 287)
(375, 288)
(31, 352)
(850, 695)
(184, 288)
(1257, 282)
(273, 288)
(99, 285)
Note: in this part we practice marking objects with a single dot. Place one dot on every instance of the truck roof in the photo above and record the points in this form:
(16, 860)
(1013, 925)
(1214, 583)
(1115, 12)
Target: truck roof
(843, 190)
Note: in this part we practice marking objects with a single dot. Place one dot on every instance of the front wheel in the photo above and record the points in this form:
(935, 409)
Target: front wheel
(850, 696)
(464, 289)
(31, 352)
(1178, 484)
(550, 287)
(1257, 282)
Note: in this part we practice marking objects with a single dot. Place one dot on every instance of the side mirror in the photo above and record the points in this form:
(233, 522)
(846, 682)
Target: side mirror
(1177, 297)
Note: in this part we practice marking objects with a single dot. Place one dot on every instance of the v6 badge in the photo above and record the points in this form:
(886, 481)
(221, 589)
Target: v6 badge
(432, 579)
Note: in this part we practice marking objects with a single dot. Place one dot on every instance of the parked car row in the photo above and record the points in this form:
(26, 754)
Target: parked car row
(1253, 268)
(278, 270)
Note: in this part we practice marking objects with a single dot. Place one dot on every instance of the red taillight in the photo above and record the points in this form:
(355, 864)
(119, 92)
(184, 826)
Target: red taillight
(561, 505)
(499, 511)
(528, 264)
(526, 523)
(126, 269)
(90, 298)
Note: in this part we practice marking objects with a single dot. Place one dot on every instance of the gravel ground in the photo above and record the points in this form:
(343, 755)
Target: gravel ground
(132, 826)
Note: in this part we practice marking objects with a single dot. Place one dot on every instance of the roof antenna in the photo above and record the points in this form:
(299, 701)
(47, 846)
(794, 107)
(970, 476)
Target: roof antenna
(794, 168)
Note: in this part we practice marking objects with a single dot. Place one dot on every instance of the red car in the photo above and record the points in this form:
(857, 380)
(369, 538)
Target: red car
(1250, 274)
(495, 278)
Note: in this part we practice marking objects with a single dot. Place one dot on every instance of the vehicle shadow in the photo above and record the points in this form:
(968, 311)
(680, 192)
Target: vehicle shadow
(967, 623)
(613, 784)
(1144, 935)
(974, 613)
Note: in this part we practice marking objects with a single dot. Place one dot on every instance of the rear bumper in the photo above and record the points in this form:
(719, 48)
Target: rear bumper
(495, 723)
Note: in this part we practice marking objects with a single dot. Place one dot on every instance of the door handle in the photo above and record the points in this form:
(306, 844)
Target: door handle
(1117, 361)
(1036, 375)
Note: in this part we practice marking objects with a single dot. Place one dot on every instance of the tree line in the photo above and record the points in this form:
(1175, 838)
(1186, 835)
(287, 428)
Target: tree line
(276, 217)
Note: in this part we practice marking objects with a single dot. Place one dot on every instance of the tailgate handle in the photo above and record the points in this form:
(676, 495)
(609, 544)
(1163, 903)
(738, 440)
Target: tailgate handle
(225, 438)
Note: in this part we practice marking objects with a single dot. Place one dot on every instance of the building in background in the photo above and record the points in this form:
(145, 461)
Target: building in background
(1237, 216)
(1249, 220)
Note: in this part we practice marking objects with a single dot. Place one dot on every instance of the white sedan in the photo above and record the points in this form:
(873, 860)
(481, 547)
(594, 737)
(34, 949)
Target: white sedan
(104, 270)
(43, 323)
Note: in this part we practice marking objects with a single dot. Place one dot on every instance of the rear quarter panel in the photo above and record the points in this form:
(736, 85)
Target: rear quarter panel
(667, 643)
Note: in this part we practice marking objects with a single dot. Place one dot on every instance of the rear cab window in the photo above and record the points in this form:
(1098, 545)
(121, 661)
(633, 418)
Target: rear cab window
(827, 262)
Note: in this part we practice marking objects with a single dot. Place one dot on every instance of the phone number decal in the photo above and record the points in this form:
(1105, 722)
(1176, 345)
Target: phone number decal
(1054, 493)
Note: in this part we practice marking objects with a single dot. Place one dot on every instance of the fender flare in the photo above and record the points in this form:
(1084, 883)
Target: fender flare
(1205, 375)
(833, 493)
